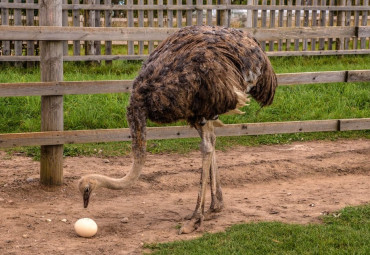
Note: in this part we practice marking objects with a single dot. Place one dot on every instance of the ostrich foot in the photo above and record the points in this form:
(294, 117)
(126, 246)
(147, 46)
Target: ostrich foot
(194, 224)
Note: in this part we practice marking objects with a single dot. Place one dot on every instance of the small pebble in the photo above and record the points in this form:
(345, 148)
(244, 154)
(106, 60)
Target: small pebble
(124, 220)
(64, 220)
(106, 161)
(48, 220)
(2, 199)
(25, 236)
(10, 202)
(29, 179)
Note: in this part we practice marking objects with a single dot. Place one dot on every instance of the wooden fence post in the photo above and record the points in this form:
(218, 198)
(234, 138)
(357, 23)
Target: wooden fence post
(51, 65)
(18, 44)
(5, 46)
(30, 44)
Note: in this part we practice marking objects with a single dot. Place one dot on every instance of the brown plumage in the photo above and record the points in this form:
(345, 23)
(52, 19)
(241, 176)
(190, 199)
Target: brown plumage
(196, 74)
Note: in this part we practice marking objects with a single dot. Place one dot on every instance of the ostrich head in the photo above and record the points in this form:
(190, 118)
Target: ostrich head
(86, 185)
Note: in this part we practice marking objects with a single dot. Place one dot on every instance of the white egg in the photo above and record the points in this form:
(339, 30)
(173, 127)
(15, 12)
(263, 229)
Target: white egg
(86, 227)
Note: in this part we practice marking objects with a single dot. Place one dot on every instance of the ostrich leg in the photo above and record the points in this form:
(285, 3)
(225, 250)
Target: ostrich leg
(216, 192)
(208, 137)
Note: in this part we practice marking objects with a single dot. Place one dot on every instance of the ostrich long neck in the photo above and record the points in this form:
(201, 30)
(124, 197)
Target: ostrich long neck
(136, 117)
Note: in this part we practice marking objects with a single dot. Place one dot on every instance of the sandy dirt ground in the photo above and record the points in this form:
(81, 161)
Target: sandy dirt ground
(295, 183)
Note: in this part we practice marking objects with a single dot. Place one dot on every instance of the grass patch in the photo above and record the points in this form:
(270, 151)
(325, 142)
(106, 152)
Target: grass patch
(348, 232)
(300, 102)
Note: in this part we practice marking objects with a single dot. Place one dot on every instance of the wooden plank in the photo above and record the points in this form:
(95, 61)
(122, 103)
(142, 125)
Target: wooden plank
(125, 86)
(364, 23)
(51, 66)
(144, 57)
(76, 23)
(150, 24)
(339, 45)
(154, 133)
(249, 21)
(169, 14)
(356, 24)
(141, 24)
(209, 14)
(189, 18)
(363, 31)
(89, 21)
(65, 24)
(30, 44)
(199, 13)
(5, 45)
(130, 23)
(107, 23)
(322, 24)
(347, 22)
(289, 23)
(354, 124)
(272, 25)
(64, 88)
(358, 76)
(312, 77)
(306, 21)
(120, 34)
(18, 22)
(331, 23)
(297, 24)
(160, 14)
(264, 23)
(97, 43)
(255, 14)
(313, 24)
(179, 13)
(191, 7)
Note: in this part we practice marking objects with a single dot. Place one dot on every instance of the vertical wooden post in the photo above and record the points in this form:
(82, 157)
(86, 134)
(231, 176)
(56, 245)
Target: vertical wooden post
(297, 24)
(160, 14)
(249, 15)
(340, 22)
(289, 23)
(272, 25)
(89, 20)
(189, 15)
(76, 23)
(151, 24)
(280, 24)
(314, 24)
(51, 65)
(364, 23)
(141, 24)
(323, 24)
(263, 22)
(209, 14)
(331, 23)
(97, 44)
(30, 44)
(65, 24)
(199, 14)
(18, 44)
(169, 14)
(5, 21)
(306, 21)
(179, 14)
(130, 23)
(108, 23)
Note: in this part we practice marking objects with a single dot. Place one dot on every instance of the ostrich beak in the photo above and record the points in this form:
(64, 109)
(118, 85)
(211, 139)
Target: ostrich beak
(86, 197)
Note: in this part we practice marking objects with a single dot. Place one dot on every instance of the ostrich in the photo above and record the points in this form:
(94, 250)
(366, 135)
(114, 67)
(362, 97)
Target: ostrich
(196, 74)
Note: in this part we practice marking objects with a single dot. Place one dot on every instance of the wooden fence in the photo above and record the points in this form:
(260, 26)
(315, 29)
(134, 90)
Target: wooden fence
(52, 31)
(262, 16)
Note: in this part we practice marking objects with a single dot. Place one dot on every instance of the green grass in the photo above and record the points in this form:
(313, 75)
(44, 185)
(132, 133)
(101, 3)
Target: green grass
(348, 232)
(300, 102)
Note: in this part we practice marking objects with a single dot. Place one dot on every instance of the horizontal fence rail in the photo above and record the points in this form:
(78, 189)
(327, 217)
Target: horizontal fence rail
(175, 132)
(191, 7)
(119, 86)
(144, 57)
(46, 33)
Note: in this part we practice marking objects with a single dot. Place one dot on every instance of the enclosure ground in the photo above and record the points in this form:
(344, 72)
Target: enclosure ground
(296, 183)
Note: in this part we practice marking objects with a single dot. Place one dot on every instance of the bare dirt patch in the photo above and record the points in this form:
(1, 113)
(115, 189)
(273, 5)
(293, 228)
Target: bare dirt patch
(294, 183)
